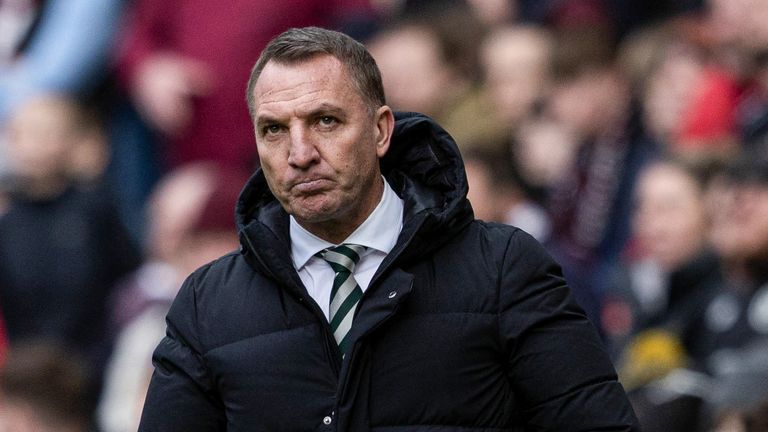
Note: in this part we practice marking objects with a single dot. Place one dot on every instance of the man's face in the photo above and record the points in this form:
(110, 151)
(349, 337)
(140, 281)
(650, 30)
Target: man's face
(415, 79)
(319, 144)
(515, 63)
(670, 218)
(41, 136)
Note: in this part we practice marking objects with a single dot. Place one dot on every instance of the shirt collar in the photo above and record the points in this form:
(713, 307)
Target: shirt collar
(379, 231)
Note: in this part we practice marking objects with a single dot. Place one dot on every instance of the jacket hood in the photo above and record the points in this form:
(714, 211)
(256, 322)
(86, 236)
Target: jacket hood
(423, 166)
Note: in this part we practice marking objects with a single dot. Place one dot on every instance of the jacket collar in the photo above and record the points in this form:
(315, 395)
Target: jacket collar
(424, 168)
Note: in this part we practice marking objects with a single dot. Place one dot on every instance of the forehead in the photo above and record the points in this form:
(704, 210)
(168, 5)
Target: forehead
(321, 77)
(514, 45)
(665, 181)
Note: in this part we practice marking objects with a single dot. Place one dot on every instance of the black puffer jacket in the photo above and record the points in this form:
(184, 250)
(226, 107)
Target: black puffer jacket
(466, 326)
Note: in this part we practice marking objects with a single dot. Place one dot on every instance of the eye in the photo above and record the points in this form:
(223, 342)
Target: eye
(271, 129)
(327, 120)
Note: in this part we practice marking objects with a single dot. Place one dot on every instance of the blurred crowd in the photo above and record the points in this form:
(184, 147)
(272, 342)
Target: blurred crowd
(629, 137)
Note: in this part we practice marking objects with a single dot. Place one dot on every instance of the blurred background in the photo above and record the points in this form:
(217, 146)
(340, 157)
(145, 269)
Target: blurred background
(629, 137)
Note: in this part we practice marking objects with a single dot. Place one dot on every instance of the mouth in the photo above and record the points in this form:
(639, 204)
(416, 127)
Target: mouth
(310, 186)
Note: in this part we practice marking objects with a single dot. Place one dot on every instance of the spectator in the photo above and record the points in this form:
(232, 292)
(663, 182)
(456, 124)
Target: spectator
(544, 150)
(61, 245)
(590, 205)
(738, 31)
(736, 318)
(672, 273)
(191, 224)
(429, 65)
(44, 388)
(732, 335)
(498, 195)
(44, 48)
(517, 65)
(689, 102)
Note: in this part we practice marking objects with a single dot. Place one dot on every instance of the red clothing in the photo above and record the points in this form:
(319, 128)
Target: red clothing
(710, 120)
(228, 37)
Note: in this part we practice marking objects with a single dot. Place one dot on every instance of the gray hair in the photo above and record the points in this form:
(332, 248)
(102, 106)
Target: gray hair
(300, 44)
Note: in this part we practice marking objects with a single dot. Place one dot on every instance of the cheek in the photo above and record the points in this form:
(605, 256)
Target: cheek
(355, 160)
(273, 180)
(271, 161)
(364, 168)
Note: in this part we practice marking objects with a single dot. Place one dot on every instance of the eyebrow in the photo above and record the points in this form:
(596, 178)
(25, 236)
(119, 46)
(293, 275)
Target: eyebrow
(265, 118)
(323, 109)
(326, 108)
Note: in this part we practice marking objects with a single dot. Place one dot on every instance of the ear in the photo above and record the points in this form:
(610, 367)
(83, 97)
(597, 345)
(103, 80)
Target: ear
(385, 124)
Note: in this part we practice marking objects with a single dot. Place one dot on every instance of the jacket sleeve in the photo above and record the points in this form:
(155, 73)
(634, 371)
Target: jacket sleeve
(182, 395)
(558, 368)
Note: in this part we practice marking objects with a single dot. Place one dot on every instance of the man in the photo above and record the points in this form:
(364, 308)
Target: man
(365, 297)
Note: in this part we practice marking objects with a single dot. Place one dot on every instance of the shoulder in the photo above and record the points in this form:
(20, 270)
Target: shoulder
(228, 281)
(227, 269)
(516, 255)
(497, 249)
(503, 239)
(498, 231)
(210, 288)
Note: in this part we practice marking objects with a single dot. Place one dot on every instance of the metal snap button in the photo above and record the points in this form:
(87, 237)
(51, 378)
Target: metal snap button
(392, 294)
(327, 420)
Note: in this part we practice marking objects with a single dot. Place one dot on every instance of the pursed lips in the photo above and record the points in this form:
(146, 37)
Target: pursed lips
(310, 186)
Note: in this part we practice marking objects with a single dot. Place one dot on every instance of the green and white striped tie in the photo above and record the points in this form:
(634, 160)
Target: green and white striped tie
(346, 293)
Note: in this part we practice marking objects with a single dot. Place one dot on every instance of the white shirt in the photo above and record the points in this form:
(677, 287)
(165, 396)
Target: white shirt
(378, 234)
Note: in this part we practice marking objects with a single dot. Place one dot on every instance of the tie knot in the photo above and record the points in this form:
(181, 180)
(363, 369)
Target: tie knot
(343, 257)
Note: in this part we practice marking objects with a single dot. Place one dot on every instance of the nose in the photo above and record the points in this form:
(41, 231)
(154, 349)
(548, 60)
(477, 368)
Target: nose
(303, 152)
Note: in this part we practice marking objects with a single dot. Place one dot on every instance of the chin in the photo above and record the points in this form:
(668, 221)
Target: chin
(313, 214)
